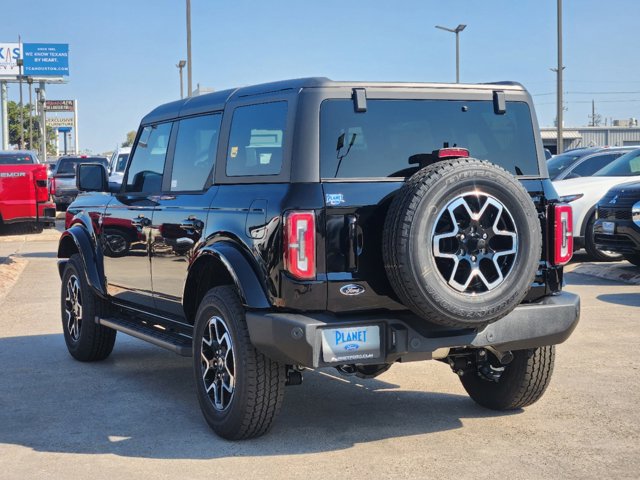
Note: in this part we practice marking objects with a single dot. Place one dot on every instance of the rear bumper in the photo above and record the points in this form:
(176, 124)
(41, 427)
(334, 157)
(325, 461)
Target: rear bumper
(297, 339)
(45, 213)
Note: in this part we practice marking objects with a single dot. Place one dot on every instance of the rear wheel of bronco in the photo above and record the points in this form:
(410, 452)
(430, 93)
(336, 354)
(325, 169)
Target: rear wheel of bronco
(86, 340)
(239, 389)
(462, 243)
(593, 251)
(516, 385)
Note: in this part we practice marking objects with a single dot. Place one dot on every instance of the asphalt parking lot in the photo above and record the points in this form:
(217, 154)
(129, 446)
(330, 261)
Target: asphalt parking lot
(136, 415)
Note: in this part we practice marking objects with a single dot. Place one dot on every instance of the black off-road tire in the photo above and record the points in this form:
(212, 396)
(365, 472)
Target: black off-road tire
(91, 342)
(409, 254)
(522, 383)
(635, 259)
(590, 246)
(259, 381)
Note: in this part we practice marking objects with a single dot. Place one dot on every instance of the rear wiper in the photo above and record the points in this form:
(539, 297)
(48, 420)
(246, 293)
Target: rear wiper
(339, 147)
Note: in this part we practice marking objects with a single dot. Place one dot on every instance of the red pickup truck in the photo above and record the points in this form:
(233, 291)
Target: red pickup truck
(24, 190)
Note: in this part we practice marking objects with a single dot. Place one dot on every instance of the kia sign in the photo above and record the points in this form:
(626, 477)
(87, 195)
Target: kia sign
(43, 59)
(59, 105)
(9, 54)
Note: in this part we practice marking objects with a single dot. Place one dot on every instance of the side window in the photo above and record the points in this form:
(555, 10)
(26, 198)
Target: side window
(195, 152)
(593, 164)
(147, 165)
(256, 140)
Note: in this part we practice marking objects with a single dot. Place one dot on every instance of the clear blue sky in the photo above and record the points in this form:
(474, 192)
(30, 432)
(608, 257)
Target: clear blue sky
(123, 53)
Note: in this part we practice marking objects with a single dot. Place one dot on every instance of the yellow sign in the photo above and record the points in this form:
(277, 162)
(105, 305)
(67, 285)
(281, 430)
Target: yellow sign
(234, 152)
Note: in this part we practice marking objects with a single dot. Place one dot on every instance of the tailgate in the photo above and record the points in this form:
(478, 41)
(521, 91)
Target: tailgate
(18, 192)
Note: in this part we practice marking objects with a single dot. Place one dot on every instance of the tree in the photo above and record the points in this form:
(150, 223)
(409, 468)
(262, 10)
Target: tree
(13, 113)
(131, 136)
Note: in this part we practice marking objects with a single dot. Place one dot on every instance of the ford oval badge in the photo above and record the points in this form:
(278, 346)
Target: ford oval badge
(352, 289)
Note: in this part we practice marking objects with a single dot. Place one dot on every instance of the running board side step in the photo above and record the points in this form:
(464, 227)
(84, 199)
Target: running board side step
(174, 342)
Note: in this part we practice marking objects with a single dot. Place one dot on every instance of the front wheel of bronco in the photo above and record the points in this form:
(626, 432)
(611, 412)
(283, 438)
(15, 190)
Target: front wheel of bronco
(516, 385)
(239, 389)
(86, 340)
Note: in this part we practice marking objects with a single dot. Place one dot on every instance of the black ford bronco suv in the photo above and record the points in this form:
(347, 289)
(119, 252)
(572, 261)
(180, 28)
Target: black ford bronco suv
(311, 223)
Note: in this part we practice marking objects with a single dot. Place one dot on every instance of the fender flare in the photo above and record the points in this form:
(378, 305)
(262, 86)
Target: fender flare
(251, 290)
(585, 221)
(86, 244)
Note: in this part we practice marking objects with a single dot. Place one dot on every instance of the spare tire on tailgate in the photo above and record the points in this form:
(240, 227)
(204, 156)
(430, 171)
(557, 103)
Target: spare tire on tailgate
(462, 243)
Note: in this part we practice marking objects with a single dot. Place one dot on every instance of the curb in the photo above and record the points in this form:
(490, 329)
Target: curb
(10, 270)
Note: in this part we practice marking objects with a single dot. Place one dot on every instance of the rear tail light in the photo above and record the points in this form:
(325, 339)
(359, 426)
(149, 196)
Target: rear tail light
(300, 244)
(52, 188)
(562, 234)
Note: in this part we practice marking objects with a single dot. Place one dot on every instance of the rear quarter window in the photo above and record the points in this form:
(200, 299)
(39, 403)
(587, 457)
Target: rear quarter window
(381, 141)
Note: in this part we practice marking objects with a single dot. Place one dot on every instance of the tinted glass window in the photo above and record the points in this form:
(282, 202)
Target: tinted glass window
(69, 165)
(560, 163)
(394, 137)
(15, 159)
(147, 165)
(121, 162)
(195, 152)
(625, 166)
(592, 165)
(256, 139)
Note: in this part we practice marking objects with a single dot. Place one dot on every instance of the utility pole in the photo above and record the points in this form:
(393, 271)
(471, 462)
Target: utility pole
(189, 69)
(4, 119)
(19, 61)
(30, 82)
(75, 127)
(43, 122)
(560, 147)
(595, 117)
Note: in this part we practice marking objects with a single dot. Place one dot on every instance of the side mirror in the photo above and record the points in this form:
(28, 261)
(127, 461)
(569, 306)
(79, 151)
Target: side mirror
(92, 177)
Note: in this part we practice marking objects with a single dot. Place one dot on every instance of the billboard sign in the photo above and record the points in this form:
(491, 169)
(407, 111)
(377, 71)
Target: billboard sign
(9, 54)
(57, 122)
(43, 59)
(58, 105)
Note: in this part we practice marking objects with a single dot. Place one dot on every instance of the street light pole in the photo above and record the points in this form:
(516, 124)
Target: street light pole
(20, 63)
(180, 66)
(30, 82)
(457, 31)
(189, 69)
(560, 146)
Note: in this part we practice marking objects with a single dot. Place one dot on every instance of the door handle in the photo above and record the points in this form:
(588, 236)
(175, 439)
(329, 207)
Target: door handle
(141, 221)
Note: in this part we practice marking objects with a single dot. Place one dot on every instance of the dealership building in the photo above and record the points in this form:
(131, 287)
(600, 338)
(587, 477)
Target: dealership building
(575, 137)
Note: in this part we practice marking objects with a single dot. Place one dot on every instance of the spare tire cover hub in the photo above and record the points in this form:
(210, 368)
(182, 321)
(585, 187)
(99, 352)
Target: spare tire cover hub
(475, 242)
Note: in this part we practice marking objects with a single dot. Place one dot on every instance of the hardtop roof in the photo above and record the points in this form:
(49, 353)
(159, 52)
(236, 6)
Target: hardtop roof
(217, 100)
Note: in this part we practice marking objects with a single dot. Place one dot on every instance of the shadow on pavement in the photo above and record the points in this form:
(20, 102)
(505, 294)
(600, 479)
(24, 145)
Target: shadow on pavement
(141, 403)
(628, 299)
(39, 255)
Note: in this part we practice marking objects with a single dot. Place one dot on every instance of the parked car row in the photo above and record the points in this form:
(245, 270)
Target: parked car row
(604, 201)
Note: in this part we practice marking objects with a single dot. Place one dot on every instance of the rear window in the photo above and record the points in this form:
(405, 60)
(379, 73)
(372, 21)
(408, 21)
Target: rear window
(69, 165)
(393, 137)
(16, 159)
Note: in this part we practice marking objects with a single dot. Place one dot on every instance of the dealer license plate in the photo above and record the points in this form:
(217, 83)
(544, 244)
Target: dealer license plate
(351, 344)
(609, 227)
